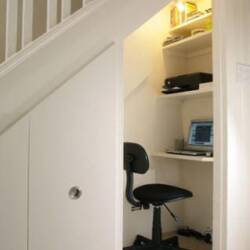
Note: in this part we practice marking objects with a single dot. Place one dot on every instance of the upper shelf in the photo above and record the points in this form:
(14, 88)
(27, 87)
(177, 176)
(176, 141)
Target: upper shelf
(191, 44)
(186, 27)
(184, 157)
(206, 89)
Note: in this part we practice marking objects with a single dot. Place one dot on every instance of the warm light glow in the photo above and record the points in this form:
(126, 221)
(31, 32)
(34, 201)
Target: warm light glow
(181, 6)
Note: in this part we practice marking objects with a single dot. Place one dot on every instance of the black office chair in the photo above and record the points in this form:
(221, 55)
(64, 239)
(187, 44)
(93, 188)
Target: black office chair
(157, 195)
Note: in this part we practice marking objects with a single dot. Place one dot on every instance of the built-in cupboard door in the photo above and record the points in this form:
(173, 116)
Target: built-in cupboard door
(13, 187)
(73, 162)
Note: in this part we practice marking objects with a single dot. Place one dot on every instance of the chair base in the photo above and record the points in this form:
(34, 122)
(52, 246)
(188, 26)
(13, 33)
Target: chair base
(142, 243)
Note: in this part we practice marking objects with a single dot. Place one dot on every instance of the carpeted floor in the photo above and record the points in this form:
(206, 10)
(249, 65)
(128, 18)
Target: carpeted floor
(193, 244)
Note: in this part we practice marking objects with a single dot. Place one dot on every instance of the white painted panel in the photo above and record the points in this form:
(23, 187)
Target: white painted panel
(13, 187)
(14, 26)
(3, 11)
(27, 22)
(74, 137)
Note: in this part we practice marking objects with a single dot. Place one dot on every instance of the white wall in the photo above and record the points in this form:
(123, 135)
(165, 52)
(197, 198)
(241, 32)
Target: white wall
(233, 77)
(197, 177)
(149, 120)
(152, 125)
(198, 211)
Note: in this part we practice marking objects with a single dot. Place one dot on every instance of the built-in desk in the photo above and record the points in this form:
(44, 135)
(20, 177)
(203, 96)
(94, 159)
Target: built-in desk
(184, 157)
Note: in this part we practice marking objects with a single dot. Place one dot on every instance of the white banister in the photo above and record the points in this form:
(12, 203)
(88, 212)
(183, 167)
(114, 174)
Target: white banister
(20, 12)
(23, 21)
(3, 26)
(83, 3)
(52, 13)
(39, 18)
(65, 8)
(14, 27)
(27, 22)
(11, 32)
(59, 10)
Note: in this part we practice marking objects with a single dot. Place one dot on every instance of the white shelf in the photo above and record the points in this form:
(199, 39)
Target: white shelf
(206, 89)
(186, 27)
(192, 43)
(184, 157)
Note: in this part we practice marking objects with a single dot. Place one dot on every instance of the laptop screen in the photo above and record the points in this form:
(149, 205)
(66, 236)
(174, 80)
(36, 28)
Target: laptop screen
(201, 133)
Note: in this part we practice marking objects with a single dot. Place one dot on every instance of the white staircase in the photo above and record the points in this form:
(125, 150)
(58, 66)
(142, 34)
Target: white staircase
(44, 43)
(24, 21)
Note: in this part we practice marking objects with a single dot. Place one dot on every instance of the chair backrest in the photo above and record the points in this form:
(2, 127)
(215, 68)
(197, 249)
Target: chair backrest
(135, 158)
(135, 161)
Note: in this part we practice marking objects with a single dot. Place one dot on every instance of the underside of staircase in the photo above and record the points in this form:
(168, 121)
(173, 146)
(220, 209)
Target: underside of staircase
(43, 43)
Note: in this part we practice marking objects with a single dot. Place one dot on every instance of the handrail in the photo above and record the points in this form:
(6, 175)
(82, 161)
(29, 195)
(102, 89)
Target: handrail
(25, 24)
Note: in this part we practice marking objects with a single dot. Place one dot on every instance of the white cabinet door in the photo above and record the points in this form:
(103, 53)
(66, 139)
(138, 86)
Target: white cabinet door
(13, 187)
(74, 139)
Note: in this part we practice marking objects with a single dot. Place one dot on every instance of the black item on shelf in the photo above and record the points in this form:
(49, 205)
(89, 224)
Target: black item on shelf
(186, 82)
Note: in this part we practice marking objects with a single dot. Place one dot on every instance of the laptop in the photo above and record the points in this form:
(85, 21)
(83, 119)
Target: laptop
(200, 139)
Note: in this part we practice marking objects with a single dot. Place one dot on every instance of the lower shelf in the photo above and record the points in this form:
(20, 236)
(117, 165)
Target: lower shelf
(206, 89)
(184, 157)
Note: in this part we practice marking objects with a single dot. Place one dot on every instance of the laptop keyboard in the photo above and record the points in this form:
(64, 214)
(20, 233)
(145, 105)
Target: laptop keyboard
(187, 152)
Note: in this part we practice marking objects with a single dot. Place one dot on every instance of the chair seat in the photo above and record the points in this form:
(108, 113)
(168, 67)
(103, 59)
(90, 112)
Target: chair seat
(160, 193)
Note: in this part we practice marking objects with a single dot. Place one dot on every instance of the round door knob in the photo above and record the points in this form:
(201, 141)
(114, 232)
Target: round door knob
(75, 193)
